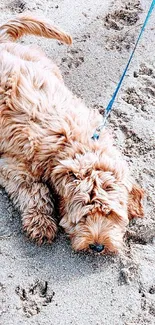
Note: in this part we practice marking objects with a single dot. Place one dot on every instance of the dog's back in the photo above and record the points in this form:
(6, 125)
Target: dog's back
(27, 78)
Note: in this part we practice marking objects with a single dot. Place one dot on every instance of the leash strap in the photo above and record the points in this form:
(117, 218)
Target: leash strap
(109, 107)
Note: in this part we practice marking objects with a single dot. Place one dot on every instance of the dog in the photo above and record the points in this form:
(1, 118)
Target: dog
(46, 147)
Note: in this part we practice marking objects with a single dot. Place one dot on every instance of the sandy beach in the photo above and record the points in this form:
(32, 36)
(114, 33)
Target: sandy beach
(51, 284)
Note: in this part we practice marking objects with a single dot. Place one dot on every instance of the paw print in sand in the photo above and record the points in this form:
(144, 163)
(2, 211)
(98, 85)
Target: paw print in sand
(74, 58)
(18, 6)
(119, 20)
(127, 15)
(142, 95)
(34, 298)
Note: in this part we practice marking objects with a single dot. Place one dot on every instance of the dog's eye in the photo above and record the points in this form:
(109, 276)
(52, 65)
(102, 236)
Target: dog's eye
(108, 188)
(74, 178)
(72, 175)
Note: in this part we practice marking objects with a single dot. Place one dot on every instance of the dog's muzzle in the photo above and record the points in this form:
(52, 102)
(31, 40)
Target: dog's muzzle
(96, 248)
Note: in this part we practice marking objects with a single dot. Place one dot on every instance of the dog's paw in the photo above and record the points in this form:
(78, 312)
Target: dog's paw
(39, 227)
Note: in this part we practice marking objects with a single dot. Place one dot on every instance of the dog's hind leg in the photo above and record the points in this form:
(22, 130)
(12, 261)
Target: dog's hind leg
(31, 197)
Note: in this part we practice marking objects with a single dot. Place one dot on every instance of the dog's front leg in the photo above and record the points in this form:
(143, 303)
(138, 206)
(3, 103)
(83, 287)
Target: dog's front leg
(31, 197)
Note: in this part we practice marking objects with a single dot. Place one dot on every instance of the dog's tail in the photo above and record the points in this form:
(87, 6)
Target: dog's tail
(27, 24)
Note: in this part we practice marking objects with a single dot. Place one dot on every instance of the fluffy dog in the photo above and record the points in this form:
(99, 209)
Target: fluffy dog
(46, 138)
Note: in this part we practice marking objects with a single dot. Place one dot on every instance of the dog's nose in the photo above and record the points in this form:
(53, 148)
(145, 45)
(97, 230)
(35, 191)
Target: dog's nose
(96, 247)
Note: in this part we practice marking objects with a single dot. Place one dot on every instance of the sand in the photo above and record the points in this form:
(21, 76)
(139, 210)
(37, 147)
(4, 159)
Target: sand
(53, 285)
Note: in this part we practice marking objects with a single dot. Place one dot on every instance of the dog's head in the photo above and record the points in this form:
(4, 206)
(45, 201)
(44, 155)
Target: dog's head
(95, 198)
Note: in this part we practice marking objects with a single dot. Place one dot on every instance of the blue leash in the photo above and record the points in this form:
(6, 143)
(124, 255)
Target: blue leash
(109, 107)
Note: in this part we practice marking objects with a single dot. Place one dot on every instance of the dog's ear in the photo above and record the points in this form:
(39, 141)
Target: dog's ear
(135, 204)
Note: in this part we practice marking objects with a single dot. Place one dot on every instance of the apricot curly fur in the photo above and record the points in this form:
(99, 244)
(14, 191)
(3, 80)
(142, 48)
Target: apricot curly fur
(45, 139)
